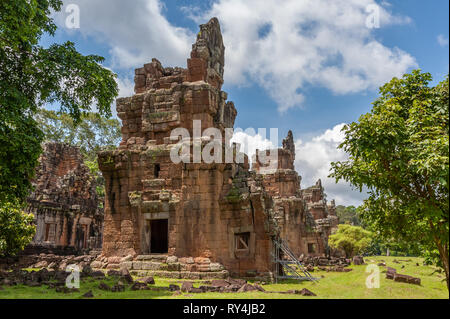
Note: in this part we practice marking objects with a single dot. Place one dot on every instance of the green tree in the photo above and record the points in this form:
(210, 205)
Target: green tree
(400, 152)
(92, 134)
(351, 239)
(16, 229)
(32, 76)
(348, 215)
(380, 246)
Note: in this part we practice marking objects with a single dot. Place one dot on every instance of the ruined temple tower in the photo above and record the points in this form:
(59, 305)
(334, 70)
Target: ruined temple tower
(64, 202)
(206, 216)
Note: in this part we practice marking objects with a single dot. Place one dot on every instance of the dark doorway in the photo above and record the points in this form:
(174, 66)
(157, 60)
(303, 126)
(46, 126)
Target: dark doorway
(157, 170)
(159, 243)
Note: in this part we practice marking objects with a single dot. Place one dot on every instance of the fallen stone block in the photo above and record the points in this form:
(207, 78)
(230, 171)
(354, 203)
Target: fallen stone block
(173, 287)
(303, 292)
(97, 274)
(148, 280)
(139, 286)
(246, 288)
(113, 273)
(259, 288)
(306, 292)
(118, 288)
(125, 275)
(220, 283)
(407, 279)
(390, 272)
(186, 286)
(104, 286)
(358, 260)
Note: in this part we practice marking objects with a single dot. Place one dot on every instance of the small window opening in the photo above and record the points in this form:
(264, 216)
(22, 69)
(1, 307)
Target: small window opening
(242, 241)
(311, 248)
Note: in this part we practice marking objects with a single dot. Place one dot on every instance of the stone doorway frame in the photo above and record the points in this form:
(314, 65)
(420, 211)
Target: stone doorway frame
(146, 248)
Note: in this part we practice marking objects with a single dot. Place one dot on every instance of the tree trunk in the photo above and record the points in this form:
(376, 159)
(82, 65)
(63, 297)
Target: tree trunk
(443, 252)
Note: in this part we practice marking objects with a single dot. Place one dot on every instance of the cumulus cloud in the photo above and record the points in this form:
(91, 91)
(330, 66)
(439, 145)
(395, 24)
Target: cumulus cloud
(286, 46)
(135, 31)
(442, 40)
(251, 141)
(313, 159)
(126, 87)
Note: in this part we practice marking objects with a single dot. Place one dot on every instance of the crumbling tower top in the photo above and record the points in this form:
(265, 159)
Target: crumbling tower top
(173, 97)
(288, 144)
(208, 55)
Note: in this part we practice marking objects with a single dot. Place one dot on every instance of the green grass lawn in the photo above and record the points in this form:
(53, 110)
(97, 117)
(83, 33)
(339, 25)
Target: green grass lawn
(333, 285)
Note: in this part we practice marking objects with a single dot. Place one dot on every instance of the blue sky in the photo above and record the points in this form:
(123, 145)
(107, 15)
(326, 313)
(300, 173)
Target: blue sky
(308, 66)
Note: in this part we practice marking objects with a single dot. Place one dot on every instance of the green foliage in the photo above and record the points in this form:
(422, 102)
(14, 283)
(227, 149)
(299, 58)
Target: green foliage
(400, 152)
(380, 246)
(16, 229)
(332, 285)
(351, 239)
(348, 215)
(32, 76)
(92, 134)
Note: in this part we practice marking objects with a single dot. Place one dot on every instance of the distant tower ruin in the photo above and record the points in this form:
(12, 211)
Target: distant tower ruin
(64, 202)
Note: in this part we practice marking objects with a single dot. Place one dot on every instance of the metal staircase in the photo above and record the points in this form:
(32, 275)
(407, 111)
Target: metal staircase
(287, 265)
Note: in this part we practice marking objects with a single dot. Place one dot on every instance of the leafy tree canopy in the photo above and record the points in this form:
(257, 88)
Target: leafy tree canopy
(31, 76)
(93, 133)
(400, 152)
(351, 239)
(348, 215)
(16, 229)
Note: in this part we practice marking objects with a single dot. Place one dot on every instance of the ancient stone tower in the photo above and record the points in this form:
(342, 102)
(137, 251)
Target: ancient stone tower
(64, 202)
(205, 215)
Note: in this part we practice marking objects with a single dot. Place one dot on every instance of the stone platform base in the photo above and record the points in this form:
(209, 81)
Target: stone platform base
(182, 274)
(164, 266)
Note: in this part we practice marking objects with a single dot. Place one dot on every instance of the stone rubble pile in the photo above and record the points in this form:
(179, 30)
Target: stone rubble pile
(51, 278)
(49, 261)
(315, 261)
(56, 279)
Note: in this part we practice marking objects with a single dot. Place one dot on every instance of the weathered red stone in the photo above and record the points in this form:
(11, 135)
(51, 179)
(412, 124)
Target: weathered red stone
(64, 201)
(209, 215)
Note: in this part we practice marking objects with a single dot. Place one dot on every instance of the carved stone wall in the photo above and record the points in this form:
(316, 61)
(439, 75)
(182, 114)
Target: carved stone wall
(207, 207)
(202, 214)
(64, 201)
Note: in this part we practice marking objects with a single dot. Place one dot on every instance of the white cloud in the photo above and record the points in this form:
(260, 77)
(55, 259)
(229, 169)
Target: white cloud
(136, 31)
(282, 47)
(312, 161)
(251, 142)
(126, 87)
(313, 158)
(286, 46)
(442, 40)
